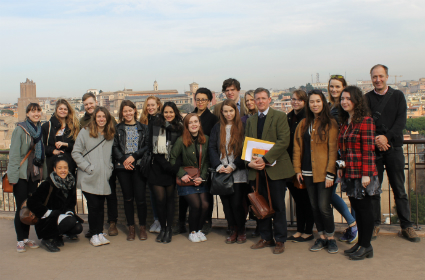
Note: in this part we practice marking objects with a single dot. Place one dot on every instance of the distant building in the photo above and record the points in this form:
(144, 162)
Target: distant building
(94, 91)
(27, 96)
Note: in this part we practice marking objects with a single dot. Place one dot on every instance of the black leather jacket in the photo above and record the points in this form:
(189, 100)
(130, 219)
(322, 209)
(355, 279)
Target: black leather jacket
(118, 148)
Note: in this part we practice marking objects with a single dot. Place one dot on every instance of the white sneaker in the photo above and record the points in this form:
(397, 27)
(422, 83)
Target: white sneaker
(20, 247)
(155, 227)
(201, 236)
(193, 236)
(94, 240)
(103, 240)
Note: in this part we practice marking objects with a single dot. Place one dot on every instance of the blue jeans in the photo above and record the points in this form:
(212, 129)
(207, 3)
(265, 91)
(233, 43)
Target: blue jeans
(342, 207)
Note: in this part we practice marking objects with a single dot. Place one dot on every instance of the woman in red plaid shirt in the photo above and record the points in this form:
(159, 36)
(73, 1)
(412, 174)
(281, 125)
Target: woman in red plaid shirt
(360, 176)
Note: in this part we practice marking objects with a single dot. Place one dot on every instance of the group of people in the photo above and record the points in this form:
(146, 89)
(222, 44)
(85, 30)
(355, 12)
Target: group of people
(318, 145)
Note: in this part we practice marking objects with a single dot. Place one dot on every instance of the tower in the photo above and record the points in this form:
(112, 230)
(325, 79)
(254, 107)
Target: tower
(193, 87)
(317, 78)
(155, 86)
(27, 96)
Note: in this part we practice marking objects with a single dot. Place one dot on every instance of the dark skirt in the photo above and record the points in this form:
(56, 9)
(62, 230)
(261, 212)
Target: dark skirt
(354, 188)
(186, 190)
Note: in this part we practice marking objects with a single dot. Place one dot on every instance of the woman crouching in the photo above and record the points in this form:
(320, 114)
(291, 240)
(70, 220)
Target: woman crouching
(54, 205)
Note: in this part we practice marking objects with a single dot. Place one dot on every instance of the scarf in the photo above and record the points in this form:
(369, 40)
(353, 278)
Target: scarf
(65, 185)
(35, 133)
(163, 138)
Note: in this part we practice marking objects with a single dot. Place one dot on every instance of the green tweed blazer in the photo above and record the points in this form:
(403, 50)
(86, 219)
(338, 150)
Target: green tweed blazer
(276, 129)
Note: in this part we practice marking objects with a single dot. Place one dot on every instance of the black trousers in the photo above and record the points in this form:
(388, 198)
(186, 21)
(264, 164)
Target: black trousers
(364, 219)
(394, 164)
(70, 226)
(95, 205)
(233, 206)
(133, 187)
(22, 190)
(303, 210)
(278, 228)
(320, 199)
(111, 200)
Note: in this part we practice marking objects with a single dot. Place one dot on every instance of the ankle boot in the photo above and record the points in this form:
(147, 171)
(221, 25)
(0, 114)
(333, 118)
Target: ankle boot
(233, 235)
(131, 233)
(168, 235)
(352, 250)
(143, 235)
(362, 253)
(241, 236)
(50, 245)
(112, 231)
(160, 237)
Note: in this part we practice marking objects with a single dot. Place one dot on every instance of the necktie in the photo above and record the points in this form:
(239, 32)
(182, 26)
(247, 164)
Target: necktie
(261, 115)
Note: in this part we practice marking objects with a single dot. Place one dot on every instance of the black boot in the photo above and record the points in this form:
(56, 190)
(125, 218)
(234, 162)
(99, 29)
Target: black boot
(160, 237)
(180, 228)
(50, 245)
(168, 235)
(362, 253)
(59, 241)
(352, 250)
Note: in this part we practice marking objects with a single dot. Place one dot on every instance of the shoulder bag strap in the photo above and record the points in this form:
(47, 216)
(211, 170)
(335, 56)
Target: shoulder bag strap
(26, 156)
(378, 111)
(257, 179)
(48, 134)
(48, 196)
(268, 190)
(95, 147)
(200, 158)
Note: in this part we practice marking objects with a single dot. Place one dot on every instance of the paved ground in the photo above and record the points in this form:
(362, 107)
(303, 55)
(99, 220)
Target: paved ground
(395, 258)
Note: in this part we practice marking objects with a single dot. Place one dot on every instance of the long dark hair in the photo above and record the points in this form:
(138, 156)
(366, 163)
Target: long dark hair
(361, 108)
(324, 116)
(130, 104)
(178, 120)
(236, 132)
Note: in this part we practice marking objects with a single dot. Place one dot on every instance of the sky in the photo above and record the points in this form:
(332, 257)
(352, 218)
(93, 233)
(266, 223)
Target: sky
(69, 46)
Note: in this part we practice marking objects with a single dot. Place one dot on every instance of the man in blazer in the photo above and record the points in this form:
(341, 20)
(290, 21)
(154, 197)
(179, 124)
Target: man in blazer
(271, 125)
(231, 88)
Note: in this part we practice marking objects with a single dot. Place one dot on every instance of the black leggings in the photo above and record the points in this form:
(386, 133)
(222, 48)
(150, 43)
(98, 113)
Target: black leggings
(364, 219)
(303, 211)
(164, 196)
(183, 205)
(133, 187)
(22, 190)
(70, 226)
(198, 209)
(233, 206)
(95, 205)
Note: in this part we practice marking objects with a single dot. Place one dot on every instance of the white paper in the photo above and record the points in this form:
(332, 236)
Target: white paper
(256, 145)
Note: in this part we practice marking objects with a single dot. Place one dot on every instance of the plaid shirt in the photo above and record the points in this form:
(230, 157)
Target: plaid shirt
(359, 155)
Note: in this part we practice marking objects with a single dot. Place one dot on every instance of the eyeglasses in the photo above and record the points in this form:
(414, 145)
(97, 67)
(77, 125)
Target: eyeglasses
(297, 100)
(315, 91)
(337, 77)
(201, 100)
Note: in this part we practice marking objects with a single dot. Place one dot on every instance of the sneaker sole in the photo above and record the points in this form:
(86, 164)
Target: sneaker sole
(21, 251)
(96, 245)
(33, 247)
(353, 241)
(317, 250)
(333, 252)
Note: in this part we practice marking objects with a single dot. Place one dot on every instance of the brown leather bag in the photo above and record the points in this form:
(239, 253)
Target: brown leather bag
(191, 171)
(7, 187)
(26, 216)
(297, 184)
(259, 205)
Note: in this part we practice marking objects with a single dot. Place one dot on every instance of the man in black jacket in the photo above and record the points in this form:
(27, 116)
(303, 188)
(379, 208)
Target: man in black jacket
(389, 147)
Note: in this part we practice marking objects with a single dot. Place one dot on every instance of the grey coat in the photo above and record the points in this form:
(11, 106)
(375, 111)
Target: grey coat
(95, 168)
(19, 147)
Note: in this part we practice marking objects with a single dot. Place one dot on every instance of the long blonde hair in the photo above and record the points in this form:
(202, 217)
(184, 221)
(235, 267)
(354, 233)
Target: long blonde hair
(144, 117)
(250, 93)
(71, 119)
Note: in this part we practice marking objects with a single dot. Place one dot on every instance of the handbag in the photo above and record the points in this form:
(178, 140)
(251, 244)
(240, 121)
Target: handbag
(191, 171)
(145, 163)
(297, 184)
(26, 216)
(221, 183)
(7, 187)
(259, 205)
(119, 166)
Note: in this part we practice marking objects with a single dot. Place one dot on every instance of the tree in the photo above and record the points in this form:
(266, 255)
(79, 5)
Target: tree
(100, 91)
(417, 124)
(308, 87)
(187, 108)
(6, 111)
(292, 89)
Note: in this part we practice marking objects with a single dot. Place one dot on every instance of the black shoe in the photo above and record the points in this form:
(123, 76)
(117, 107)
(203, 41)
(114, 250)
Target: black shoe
(292, 238)
(50, 245)
(362, 253)
(59, 241)
(302, 239)
(319, 245)
(160, 237)
(256, 233)
(168, 235)
(352, 250)
(332, 247)
(88, 234)
(207, 228)
(72, 236)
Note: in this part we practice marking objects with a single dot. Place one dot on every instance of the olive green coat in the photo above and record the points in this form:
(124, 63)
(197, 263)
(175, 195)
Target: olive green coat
(276, 129)
(19, 147)
(189, 157)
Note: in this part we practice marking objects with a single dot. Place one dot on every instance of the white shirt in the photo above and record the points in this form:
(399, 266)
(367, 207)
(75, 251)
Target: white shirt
(264, 113)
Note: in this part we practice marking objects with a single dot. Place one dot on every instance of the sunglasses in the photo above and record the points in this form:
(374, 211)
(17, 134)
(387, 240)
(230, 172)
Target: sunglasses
(315, 91)
(337, 77)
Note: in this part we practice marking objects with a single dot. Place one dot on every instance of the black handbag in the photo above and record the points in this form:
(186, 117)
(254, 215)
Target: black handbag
(145, 163)
(221, 183)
